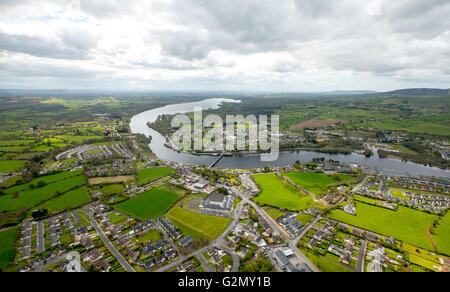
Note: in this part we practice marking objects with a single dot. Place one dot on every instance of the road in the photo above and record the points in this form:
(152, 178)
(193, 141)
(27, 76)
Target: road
(292, 243)
(307, 228)
(359, 186)
(40, 242)
(236, 261)
(111, 247)
(361, 256)
(217, 243)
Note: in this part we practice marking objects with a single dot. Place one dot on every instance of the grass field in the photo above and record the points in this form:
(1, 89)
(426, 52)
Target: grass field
(316, 183)
(304, 219)
(69, 200)
(7, 239)
(279, 194)
(442, 235)
(325, 264)
(152, 236)
(112, 189)
(209, 226)
(404, 224)
(274, 213)
(8, 166)
(48, 179)
(148, 205)
(149, 175)
(32, 197)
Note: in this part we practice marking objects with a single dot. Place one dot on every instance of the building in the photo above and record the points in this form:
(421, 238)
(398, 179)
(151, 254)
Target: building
(218, 203)
(185, 242)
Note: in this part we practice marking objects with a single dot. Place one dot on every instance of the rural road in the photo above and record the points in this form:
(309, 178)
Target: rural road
(111, 247)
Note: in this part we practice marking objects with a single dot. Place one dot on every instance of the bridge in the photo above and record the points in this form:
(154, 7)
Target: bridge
(217, 160)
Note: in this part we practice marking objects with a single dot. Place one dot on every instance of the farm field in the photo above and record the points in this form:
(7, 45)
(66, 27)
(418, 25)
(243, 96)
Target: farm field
(146, 176)
(7, 239)
(316, 183)
(47, 179)
(405, 224)
(150, 204)
(110, 180)
(209, 226)
(8, 166)
(69, 200)
(32, 197)
(441, 235)
(279, 194)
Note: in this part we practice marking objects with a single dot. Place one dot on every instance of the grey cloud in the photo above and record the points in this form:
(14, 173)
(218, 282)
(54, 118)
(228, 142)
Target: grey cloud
(74, 48)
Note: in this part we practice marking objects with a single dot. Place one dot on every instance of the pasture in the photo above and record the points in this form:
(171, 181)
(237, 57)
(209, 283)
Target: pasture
(405, 224)
(149, 205)
(8, 166)
(32, 197)
(441, 235)
(277, 193)
(67, 201)
(146, 176)
(316, 183)
(8, 239)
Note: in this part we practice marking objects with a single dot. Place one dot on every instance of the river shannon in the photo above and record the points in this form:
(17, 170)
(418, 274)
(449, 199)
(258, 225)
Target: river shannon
(385, 166)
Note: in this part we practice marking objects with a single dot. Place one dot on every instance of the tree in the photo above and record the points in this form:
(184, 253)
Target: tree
(41, 184)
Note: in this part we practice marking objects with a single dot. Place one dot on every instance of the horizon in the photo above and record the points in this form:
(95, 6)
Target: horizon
(288, 46)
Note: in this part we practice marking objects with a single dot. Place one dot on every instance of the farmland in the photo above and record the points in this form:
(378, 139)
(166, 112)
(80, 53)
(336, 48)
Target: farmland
(69, 200)
(279, 194)
(404, 224)
(149, 175)
(7, 166)
(149, 205)
(31, 197)
(209, 226)
(441, 235)
(316, 183)
(7, 239)
(111, 180)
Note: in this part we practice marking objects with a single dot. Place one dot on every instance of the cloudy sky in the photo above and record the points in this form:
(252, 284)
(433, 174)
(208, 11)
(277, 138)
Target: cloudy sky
(253, 45)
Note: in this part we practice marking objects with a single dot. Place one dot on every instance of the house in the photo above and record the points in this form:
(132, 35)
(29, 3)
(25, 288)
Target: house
(185, 242)
(260, 242)
(92, 255)
(87, 242)
(102, 265)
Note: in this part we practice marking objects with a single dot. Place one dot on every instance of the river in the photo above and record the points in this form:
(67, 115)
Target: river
(386, 166)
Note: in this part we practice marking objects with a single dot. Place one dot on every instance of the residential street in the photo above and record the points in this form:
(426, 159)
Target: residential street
(111, 247)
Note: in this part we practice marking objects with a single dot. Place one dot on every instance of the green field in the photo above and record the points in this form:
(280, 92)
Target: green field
(274, 213)
(67, 201)
(48, 179)
(404, 224)
(16, 143)
(316, 183)
(325, 264)
(148, 205)
(149, 175)
(152, 236)
(441, 235)
(32, 197)
(7, 240)
(112, 189)
(277, 193)
(209, 226)
(8, 166)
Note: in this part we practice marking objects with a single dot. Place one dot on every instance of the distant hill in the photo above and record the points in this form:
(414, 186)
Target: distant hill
(421, 92)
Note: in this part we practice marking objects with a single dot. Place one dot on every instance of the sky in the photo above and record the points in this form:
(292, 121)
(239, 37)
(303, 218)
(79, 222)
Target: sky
(248, 45)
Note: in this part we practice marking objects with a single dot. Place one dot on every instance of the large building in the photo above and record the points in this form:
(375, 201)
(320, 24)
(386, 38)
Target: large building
(218, 203)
